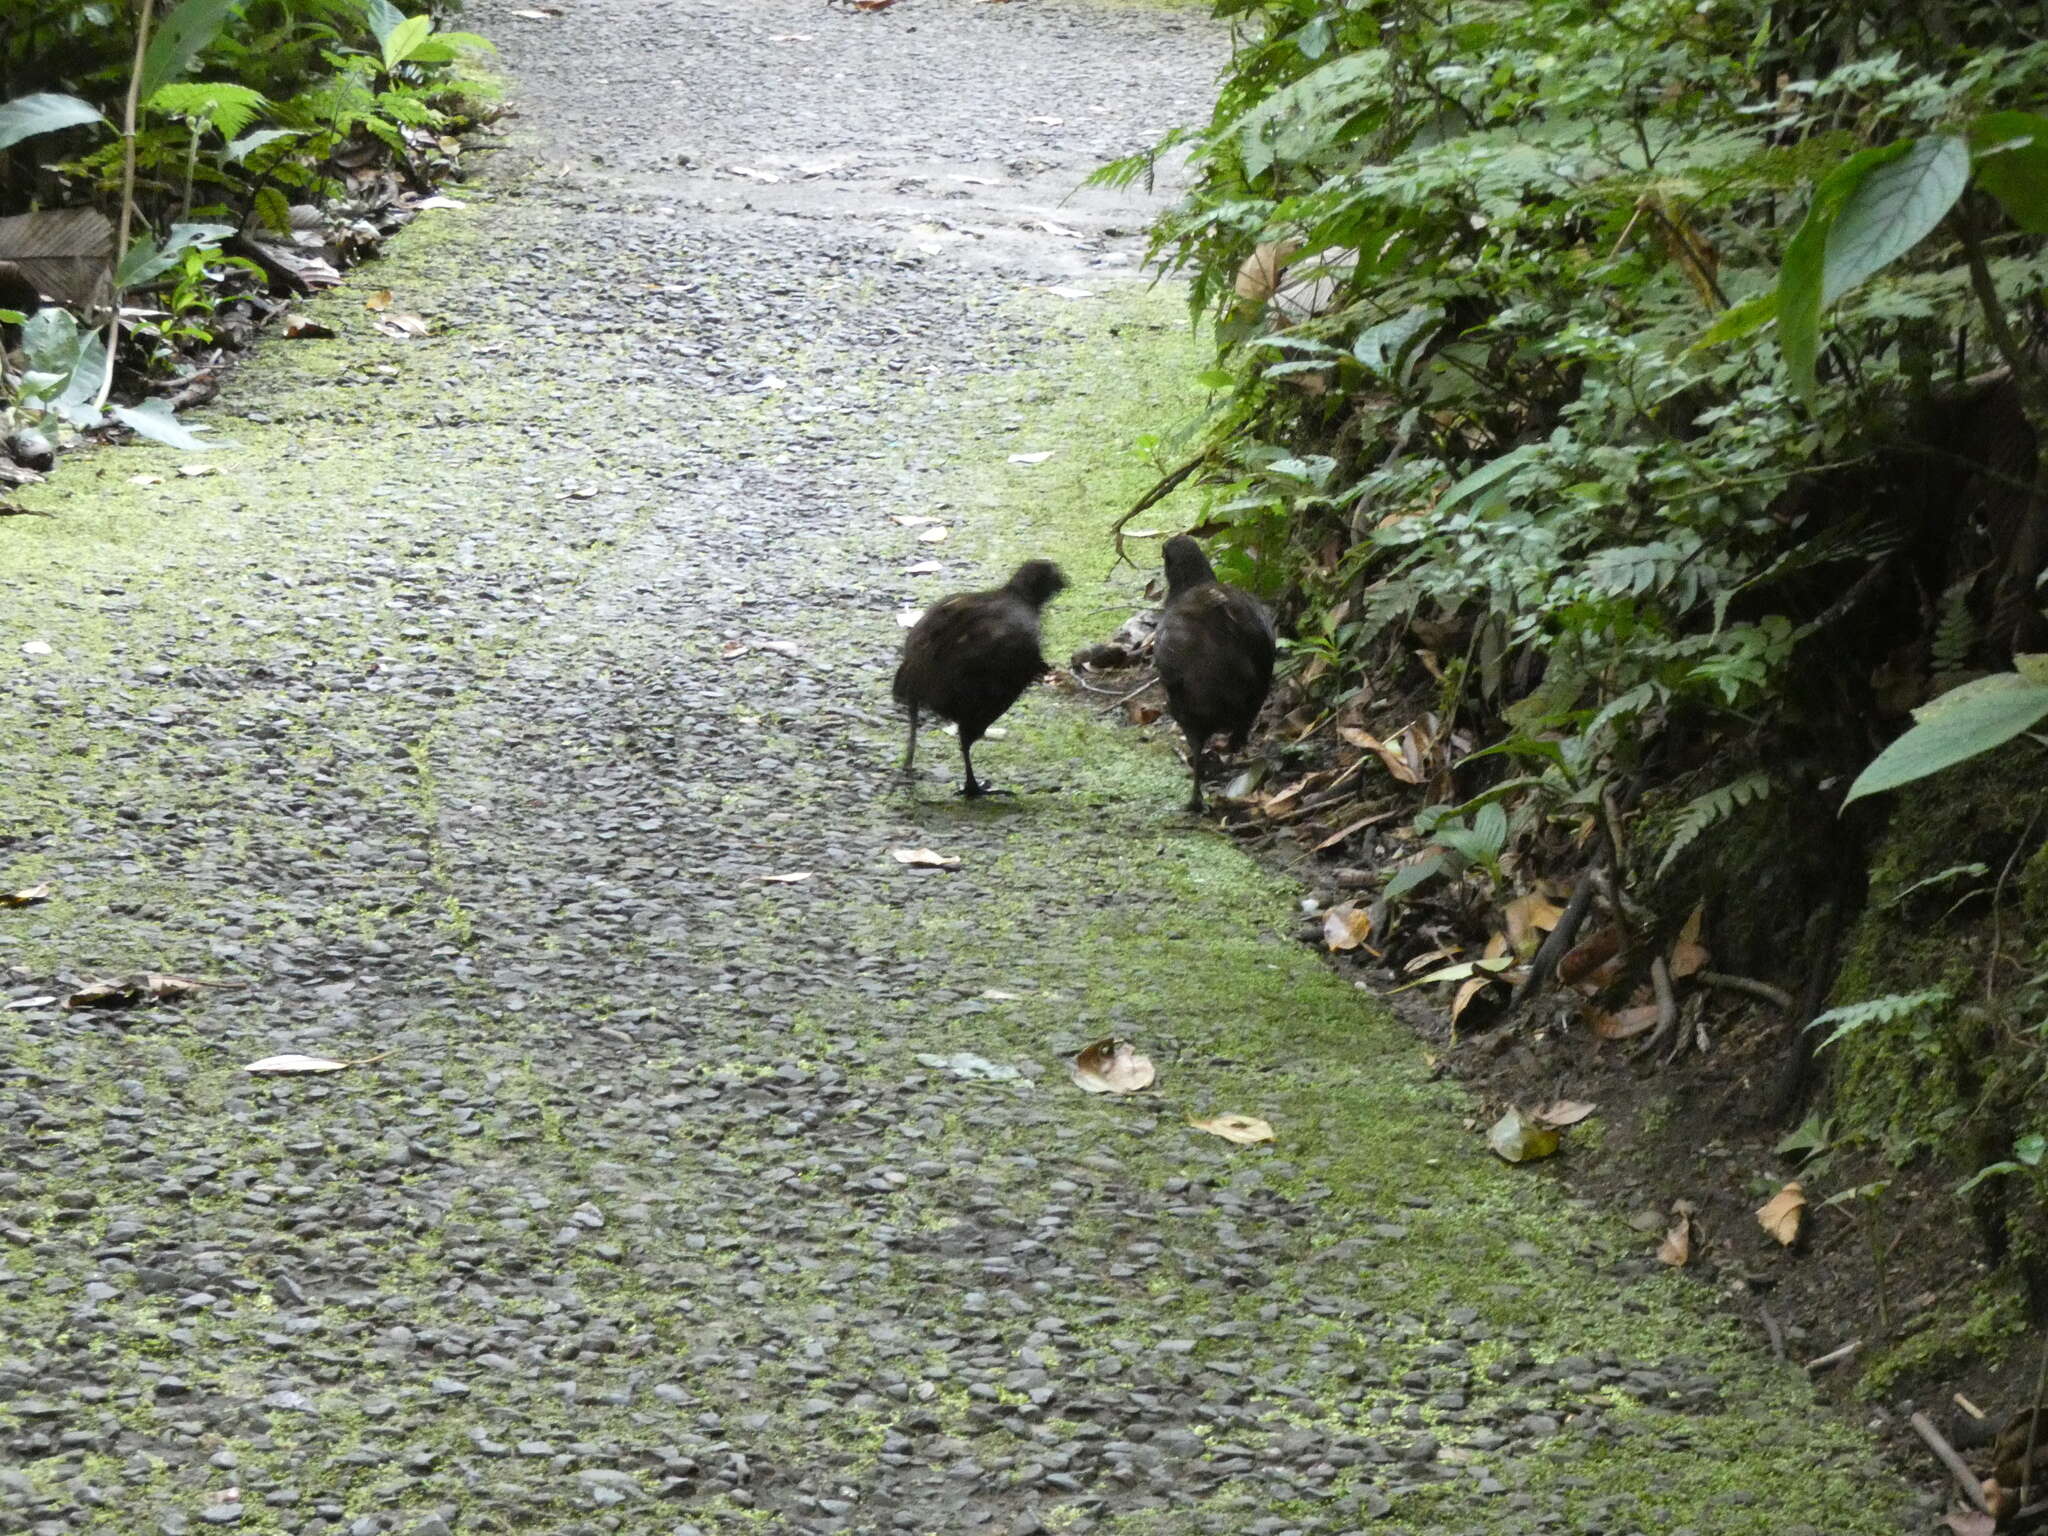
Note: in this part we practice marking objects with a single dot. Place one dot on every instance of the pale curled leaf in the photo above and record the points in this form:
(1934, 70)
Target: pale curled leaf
(1563, 1112)
(27, 896)
(1245, 1130)
(1784, 1214)
(290, 1063)
(793, 877)
(1516, 1138)
(925, 858)
(1346, 926)
(1111, 1065)
(1676, 1249)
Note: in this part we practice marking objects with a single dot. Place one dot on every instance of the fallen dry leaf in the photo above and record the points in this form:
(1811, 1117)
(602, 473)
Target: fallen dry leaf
(40, 1000)
(378, 301)
(1528, 917)
(925, 858)
(297, 327)
(291, 1063)
(439, 200)
(1564, 1112)
(1346, 927)
(733, 648)
(1516, 1138)
(1391, 753)
(910, 519)
(794, 877)
(936, 534)
(1970, 1522)
(1245, 1130)
(1628, 1022)
(1468, 990)
(906, 618)
(1583, 965)
(194, 471)
(145, 479)
(404, 327)
(27, 896)
(1676, 1249)
(37, 648)
(144, 987)
(1140, 713)
(1111, 1065)
(923, 568)
(1031, 458)
(1688, 954)
(1784, 1213)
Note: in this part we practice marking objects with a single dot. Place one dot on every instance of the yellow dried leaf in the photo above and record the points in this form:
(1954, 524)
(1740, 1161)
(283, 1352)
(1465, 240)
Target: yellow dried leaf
(1528, 917)
(1346, 927)
(1688, 954)
(925, 858)
(28, 896)
(1676, 1249)
(1245, 1130)
(1784, 1213)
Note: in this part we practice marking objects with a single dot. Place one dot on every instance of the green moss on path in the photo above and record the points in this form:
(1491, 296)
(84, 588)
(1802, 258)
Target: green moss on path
(449, 715)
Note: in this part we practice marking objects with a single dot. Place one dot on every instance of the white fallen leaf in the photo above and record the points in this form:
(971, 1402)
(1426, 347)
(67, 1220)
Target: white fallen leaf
(1245, 1130)
(1111, 1065)
(906, 618)
(967, 1064)
(293, 1063)
(145, 479)
(772, 382)
(1069, 291)
(794, 877)
(1047, 122)
(936, 534)
(36, 648)
(925, 858)
(44, 1001)
(782, 647)
(1031, 458)
(752, 174)
(438, 200)
(1000, 996)
(732, 649)
(194, 471)
(910, 519)
(923, 568)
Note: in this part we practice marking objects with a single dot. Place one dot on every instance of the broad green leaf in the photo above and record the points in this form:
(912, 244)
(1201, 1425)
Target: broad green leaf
(1380, 346)
(153, 419)
(1495, 472)
(1798, 297)
(2010, 152)
(249, 143)
(1891, 209)
(180, 38)
(403, 39)
(1953, 728)
(1740, 320)
(146, 259)
(44, 112)
(2033, 666)
(1409, 876)
(383, 17)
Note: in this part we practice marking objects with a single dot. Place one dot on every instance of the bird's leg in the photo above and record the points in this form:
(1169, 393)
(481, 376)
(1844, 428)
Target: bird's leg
(910, 752)
(1195, 806)
(973, 788)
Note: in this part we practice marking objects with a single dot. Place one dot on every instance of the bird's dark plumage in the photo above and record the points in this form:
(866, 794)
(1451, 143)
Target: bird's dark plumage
(1214, 654)
(972, 654)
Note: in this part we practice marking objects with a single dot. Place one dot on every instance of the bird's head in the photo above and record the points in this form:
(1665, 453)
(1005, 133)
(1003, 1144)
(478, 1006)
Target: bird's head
(1038, 582)
(1186, 565)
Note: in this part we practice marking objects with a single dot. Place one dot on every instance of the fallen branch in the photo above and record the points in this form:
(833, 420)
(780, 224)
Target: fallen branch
(1667, 1011)
(1777, 997)
(1557, 945)
(1771, 1328)
(1834, 1356)
(1973, 1489)
(1167, 485)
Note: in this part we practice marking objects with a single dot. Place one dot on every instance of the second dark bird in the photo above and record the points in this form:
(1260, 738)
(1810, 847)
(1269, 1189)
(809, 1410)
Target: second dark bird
(1214, 655)
(972, 654)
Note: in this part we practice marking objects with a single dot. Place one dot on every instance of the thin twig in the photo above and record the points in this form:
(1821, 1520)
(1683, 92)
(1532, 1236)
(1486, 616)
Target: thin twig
(1834, 1356)
(1777, 1334)
(1958, 1469)
(1167, 485)
(127, 197)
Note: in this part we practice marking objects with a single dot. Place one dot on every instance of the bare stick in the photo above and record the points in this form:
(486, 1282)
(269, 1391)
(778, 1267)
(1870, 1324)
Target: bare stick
(1834, 1356)
(1777, 997)
(1777, 1334)
(1555, 947)
(1973, 1490)
(127, 196)
(1667, 1010)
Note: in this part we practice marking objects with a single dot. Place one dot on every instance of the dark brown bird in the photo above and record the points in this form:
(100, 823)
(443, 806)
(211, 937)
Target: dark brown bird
(972, 654)
(1214, 654)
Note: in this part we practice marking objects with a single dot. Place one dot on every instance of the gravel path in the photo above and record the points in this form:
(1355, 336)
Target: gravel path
(462, 713)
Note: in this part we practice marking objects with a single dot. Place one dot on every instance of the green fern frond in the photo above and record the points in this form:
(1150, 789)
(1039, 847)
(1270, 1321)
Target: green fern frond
(1707, 810)
(1877, 1010)
(225, 108)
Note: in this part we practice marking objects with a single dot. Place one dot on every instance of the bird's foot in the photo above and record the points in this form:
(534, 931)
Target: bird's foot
(974, 789)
